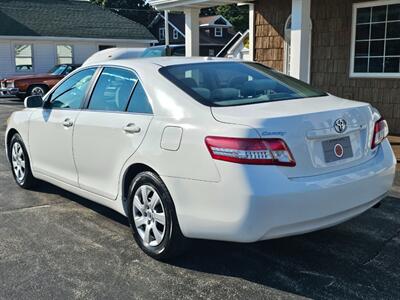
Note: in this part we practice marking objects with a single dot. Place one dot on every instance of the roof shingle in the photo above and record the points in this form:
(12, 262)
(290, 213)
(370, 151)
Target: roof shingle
(66, 18)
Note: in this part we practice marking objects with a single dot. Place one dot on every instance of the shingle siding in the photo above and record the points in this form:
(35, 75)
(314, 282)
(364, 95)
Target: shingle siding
(331, 52)
(271, 16)
(330, 58)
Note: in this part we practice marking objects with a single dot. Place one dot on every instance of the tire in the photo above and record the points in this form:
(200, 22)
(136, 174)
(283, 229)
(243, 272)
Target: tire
(20, 163)
(146, 220)
(37, 90)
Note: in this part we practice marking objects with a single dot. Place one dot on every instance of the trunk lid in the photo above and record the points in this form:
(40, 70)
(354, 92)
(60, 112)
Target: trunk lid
(308, 128)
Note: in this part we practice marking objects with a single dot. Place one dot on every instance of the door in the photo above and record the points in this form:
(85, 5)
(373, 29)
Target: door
(110, 130)
(51, 128)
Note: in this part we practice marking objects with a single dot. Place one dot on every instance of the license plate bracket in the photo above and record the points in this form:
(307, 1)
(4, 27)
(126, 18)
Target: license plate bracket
(337, 149)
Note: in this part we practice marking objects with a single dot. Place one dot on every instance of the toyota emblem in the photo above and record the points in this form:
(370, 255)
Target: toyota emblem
(340, 125)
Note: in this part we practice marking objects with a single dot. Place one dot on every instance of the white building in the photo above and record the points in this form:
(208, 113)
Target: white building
(36, 35)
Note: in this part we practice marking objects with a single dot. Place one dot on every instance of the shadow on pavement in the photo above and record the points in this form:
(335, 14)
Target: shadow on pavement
(11, 101)
(48, 188)
(358, 259)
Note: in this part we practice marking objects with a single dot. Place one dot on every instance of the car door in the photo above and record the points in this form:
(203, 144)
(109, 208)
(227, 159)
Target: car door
(51, 128)
(110, 130)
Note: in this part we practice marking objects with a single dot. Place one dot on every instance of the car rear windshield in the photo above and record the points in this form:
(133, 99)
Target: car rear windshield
(236, 83)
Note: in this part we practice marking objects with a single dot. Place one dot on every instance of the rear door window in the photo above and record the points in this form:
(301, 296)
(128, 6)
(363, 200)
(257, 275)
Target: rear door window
(139, 102)
(113, 90)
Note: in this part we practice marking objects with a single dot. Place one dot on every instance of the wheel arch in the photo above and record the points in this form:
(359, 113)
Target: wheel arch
(128, 176)
(11, 132)
(47, 88)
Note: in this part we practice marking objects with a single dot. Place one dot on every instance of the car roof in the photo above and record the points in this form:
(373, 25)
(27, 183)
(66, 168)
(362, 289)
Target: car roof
(178, 60)
(165, 61)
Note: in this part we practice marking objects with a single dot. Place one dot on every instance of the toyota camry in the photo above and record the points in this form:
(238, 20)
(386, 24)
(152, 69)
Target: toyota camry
(203, 148)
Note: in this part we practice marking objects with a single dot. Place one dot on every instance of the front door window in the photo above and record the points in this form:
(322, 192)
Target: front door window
(71, 93)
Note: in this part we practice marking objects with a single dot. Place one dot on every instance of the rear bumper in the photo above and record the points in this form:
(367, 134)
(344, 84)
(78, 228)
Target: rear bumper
(253, 203)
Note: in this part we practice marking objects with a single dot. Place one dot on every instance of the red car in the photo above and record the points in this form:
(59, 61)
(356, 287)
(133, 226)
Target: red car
(27, 85)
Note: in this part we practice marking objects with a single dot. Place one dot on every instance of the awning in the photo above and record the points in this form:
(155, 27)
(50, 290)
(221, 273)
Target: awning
(184, 4)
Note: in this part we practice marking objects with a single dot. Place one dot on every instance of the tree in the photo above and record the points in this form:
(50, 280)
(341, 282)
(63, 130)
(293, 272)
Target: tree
(136, 10)
(139, 11)
(237, 15)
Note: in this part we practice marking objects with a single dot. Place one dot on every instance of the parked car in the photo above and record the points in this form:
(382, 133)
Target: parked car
(158, 51)
(203, 148)
(38, 84)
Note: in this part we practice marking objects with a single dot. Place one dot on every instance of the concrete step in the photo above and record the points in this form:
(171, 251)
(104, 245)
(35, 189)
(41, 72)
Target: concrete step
(396, 149)
(394, 140)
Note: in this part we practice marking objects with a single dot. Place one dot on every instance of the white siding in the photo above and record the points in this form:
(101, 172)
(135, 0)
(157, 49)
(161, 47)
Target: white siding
(82, 51)
(43, 57)
(6, 59)
(45, 53)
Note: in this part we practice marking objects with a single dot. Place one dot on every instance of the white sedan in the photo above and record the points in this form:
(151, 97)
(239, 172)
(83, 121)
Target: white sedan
(203, 148)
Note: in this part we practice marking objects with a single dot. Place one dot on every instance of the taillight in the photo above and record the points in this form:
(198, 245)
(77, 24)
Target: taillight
(250, 151)
(381, 131)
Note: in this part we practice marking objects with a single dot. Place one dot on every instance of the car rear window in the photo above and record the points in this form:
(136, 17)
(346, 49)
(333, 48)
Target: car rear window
(236, 83)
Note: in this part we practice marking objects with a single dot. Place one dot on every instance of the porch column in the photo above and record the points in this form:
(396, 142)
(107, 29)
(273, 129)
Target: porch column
(166, 26)
(251, 30)
(192, 32)
(300, 40)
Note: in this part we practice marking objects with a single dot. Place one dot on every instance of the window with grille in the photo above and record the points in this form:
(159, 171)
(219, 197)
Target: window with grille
(175, 34)
(23, 58)
(64, 54)
(376, 39)
(161, 34)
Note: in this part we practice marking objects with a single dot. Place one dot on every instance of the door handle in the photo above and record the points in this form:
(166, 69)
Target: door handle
(68, 123)
(132, 128)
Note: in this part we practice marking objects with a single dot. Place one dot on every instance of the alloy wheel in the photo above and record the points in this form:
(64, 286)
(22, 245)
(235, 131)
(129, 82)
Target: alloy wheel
(18, 161)
(149, 216)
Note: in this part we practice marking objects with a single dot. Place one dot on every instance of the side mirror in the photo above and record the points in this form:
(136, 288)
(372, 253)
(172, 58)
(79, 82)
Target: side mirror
(33, 102)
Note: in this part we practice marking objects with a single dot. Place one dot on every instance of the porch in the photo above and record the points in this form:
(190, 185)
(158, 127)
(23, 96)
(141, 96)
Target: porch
(300, 33)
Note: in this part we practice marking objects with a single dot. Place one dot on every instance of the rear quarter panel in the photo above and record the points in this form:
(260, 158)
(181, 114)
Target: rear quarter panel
(174, 108)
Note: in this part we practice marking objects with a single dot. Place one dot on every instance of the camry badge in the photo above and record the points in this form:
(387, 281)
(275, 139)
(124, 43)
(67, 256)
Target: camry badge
(340, 125)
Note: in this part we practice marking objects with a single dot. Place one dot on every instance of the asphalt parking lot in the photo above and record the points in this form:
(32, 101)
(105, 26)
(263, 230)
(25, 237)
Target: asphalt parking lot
(57, 245)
